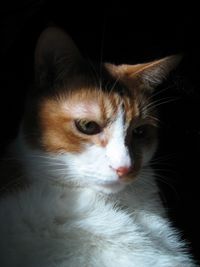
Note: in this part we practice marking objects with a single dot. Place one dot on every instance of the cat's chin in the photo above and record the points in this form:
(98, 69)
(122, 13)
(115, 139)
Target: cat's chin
(110, 188)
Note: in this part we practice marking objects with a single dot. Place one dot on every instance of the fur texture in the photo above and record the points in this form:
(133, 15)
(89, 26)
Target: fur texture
(84, 148)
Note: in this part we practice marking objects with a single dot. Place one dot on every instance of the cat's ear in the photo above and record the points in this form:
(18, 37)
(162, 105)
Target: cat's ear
(55, 53)
(146, 75)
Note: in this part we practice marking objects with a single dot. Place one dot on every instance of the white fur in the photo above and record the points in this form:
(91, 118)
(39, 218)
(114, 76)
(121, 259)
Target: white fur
(77, 214)
(116, 151)
(47, 226)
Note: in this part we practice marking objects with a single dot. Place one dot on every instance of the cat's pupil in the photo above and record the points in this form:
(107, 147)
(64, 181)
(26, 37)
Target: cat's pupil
(140, 131)
(88, 127)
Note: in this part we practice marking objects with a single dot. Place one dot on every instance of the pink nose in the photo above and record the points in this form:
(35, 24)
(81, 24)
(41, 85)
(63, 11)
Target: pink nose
(121, 171)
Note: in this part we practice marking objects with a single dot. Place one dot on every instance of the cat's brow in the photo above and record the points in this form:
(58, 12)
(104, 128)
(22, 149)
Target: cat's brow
(86, 109)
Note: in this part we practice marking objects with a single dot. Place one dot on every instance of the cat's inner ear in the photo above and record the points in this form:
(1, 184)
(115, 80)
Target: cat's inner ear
(55, 52)
(146, 75)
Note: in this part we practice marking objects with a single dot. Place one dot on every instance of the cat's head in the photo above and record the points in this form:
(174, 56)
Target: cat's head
(95, 125)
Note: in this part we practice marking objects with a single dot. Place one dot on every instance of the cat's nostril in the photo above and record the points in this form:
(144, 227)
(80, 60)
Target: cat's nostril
(121, 171)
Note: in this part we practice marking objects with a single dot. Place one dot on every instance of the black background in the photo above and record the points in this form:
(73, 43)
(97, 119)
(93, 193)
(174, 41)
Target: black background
(120, 32)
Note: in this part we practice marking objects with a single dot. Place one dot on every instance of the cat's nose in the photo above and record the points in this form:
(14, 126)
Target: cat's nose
(123, 170)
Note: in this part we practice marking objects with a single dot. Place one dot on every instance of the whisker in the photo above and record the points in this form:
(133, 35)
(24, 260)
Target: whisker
(162, 179)
(102, 46)
(96, 75)
(161, 103)
(158, 102)
(162, 158)
(113, 86)
(156, 93)
(11, 183)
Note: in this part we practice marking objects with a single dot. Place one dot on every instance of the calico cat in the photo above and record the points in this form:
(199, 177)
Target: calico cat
(89, 197)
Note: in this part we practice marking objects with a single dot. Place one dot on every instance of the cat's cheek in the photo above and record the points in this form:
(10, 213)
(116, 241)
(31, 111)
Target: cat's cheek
(90, 165)
(148, 153)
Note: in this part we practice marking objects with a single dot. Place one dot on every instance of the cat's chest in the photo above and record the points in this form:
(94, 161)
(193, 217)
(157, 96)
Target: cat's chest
(88, 210)
(85, 203)
(109, 219)
(103, 223)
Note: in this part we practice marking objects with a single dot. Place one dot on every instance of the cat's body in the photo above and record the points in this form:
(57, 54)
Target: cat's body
(65, 227)
(90, 197)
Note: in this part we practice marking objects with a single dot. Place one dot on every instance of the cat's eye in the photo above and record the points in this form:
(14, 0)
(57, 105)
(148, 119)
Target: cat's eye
(88, 127)
(140, 131)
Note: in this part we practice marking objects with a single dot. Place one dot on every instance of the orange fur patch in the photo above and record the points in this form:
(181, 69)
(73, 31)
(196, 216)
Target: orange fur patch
(57, 116)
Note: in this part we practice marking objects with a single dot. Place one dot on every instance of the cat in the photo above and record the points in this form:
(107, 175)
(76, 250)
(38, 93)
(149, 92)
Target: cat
(89, 196)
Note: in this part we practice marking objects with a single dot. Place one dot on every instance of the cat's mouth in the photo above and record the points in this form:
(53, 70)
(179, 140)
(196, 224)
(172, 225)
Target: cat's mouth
(112, 186)
(119, 180)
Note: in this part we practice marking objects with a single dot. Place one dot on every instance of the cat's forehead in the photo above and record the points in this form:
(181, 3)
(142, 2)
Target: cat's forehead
(94, 104)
